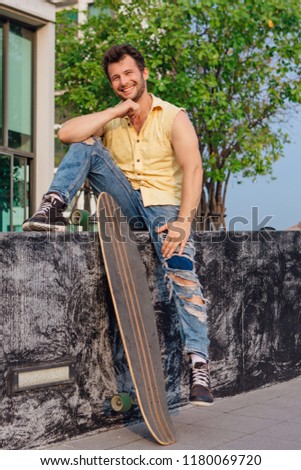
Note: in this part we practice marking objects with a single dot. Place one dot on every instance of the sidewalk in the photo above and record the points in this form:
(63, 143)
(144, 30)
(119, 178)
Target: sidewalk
(265, 419)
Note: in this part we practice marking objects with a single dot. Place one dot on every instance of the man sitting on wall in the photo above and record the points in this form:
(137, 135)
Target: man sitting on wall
(145, 153)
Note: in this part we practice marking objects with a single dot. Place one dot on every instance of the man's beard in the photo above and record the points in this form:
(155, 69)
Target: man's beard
(139, 91)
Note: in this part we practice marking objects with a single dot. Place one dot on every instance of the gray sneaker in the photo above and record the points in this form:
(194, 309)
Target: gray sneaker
(200, 389)
(49, 216)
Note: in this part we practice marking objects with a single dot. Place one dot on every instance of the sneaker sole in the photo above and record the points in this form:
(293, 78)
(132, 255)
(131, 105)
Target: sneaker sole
(200, 403)
(40, 227)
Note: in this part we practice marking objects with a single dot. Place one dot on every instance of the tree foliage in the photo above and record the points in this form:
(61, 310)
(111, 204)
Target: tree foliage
(235, 65)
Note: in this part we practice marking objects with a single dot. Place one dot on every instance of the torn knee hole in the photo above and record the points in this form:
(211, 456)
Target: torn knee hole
(181, 281)
(180, 262)
(195, 299)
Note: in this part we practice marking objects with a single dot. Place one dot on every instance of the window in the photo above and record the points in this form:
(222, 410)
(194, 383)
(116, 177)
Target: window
(20, 194)
(16, 123)
(94, 10)
(20, 88)
(72, 15)
(14, 192)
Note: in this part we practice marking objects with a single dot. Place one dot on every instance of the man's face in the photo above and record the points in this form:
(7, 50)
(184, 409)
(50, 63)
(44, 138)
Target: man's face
(127, 81)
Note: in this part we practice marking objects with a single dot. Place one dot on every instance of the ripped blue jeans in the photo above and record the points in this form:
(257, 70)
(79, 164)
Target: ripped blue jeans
(91, 160)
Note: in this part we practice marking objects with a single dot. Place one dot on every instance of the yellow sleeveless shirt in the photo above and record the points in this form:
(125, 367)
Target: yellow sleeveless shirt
(147, 159)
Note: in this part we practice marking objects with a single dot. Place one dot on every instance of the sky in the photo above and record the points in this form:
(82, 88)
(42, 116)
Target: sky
(279, 199)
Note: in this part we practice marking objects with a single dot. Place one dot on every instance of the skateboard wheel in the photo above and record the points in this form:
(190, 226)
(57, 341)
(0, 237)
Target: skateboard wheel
(121, 402)
(80, 217)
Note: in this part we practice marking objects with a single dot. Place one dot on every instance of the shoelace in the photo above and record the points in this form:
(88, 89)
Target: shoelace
(45, 206)
(201, 376)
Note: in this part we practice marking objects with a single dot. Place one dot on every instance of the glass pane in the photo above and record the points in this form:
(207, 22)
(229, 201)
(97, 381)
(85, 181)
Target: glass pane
(72, 15)
(20, 192)
(1, 84)
(97, 10)
(5, 172)
(20, 88)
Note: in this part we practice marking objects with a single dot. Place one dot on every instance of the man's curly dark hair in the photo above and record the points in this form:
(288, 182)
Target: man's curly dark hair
(116, 54)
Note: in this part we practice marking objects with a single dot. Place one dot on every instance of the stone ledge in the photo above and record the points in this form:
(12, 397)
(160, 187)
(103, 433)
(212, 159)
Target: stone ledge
(56, 305)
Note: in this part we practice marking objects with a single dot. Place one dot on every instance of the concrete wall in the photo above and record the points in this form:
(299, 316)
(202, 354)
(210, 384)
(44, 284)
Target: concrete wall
(55, 305)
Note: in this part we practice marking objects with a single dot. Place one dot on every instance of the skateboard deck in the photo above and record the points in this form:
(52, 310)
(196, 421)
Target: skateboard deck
(135, 317)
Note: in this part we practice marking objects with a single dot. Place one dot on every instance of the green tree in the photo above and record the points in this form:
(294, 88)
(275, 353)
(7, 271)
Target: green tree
(234, 65)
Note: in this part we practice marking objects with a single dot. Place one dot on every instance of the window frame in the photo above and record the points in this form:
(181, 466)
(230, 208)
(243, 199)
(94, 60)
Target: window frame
(5, 25)
(4, 148)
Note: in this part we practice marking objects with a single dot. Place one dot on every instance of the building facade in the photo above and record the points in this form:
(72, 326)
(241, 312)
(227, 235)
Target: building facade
(80, 8)
(27, 64)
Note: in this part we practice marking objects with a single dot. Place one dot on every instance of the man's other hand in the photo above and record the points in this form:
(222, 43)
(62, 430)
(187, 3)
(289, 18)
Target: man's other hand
(178, 233)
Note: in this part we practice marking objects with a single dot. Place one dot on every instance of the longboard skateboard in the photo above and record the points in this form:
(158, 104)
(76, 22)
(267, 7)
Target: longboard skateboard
(135, 317)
